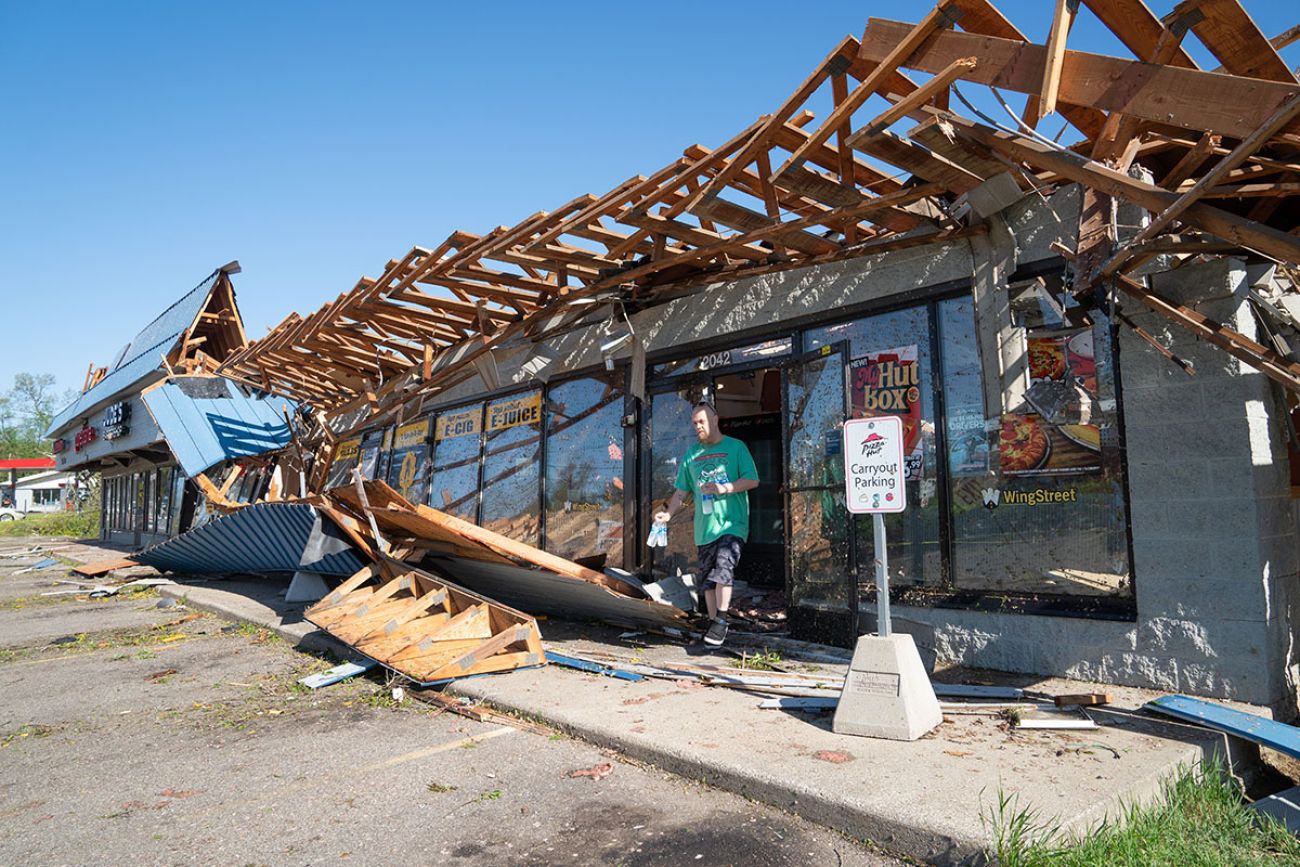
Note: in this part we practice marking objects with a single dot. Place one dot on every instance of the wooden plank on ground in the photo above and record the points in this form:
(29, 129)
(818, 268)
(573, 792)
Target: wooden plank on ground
(101, 567)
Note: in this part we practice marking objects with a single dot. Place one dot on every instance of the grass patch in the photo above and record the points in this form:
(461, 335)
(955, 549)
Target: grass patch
(27, 731)
(764, 660)
(76, 525)
(1200, 819)
(440, 788)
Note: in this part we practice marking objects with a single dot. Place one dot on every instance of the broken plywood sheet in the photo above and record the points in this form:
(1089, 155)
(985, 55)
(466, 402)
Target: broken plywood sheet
(102, 567)
(542, 592)
(426, 628)
(437, 532)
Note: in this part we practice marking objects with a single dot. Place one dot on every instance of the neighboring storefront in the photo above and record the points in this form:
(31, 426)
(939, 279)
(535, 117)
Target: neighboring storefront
(156, 418)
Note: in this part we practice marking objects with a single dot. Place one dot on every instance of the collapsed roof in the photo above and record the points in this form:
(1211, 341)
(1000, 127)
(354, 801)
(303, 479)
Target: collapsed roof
(1212, 155)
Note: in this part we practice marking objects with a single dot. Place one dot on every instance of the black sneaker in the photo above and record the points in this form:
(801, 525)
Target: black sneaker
(717, 633)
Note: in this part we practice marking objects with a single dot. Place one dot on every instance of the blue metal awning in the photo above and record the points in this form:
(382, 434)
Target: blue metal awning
(267, 537)
(207, 419)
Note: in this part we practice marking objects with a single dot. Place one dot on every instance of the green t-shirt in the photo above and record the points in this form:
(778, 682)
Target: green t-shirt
(721, 463)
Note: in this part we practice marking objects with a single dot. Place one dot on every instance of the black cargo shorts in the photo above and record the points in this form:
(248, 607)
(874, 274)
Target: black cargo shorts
(718, 560)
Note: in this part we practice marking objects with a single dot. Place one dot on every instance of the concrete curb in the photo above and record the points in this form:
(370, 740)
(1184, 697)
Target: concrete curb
(303, 636)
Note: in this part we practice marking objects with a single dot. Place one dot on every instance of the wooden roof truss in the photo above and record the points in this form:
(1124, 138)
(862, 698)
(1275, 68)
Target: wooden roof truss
(888, 165)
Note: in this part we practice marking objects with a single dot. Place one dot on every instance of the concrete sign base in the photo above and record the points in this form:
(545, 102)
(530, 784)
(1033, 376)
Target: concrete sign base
(887, 693)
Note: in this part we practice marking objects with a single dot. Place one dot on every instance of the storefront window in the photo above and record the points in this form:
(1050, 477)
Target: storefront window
(454, 484)
(162, 515)
(346, 455)
(584, 469)
(373, 446)
(889, 373)
(511, 471)
(671, 434)
(819, 522)
(408, 461)
(1037, 488)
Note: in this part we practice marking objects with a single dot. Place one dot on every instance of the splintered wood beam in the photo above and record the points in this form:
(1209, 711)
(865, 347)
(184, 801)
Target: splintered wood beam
(1232, 36)
(1280, 119)
(1074, 167)
(1192, 99)
(1062, 21)
(920, 161)
(917, 98)
(1191, 161)
(977, 160)
(1134, 24)
(1263, 359)
(938, 17)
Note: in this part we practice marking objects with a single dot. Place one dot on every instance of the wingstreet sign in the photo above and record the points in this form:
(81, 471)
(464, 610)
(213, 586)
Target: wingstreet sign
(873, 465)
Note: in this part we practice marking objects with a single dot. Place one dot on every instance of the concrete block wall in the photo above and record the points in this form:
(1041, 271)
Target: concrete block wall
(1215, 549)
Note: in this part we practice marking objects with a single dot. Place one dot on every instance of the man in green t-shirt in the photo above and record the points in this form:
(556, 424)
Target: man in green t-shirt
(718, 471)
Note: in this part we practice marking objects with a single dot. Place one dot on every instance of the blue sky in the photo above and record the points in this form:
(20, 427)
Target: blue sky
(145, 144)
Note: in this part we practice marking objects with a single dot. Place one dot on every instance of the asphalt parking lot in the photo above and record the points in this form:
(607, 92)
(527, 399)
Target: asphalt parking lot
(137, 734)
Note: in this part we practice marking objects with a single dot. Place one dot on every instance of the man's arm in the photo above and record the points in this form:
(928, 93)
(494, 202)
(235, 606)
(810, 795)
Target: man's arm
(674, 505)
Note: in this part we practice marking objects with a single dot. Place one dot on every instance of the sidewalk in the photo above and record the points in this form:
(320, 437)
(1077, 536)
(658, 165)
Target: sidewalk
(923, 799)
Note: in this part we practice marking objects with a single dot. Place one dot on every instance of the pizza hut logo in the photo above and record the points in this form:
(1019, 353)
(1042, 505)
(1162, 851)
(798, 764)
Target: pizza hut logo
(992, 497)
(873, 445)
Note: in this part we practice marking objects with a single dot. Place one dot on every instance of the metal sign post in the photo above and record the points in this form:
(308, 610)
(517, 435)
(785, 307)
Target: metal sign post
(887, 693)
(875, 484)
(884, 626)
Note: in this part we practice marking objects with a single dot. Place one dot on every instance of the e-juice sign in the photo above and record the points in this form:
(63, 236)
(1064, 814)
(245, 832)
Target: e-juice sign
(514, 412)
(887, 383)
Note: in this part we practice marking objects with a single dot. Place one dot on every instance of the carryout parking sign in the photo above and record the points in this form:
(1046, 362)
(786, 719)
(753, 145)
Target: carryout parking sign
(874, 470)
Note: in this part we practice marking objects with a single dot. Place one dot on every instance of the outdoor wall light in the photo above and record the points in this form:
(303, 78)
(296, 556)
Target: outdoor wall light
(613, 345)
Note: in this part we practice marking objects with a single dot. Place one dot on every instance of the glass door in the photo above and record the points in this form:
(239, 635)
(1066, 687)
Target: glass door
(820, 579)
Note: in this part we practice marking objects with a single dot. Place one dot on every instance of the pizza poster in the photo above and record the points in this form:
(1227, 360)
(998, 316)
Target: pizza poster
(1056, 431)
(888, 383)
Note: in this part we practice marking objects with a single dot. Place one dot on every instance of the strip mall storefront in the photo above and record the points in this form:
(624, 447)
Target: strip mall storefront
(1024, 510)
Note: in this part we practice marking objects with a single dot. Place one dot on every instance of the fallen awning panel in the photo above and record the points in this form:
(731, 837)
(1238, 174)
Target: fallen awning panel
(267, 537)
(208, 419)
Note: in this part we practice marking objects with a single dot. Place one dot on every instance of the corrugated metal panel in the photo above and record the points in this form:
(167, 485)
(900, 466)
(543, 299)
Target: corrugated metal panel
(143, 355)
(203, 431)
(268, 537)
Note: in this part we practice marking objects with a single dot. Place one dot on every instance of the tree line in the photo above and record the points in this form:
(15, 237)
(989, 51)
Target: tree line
(26, 410)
